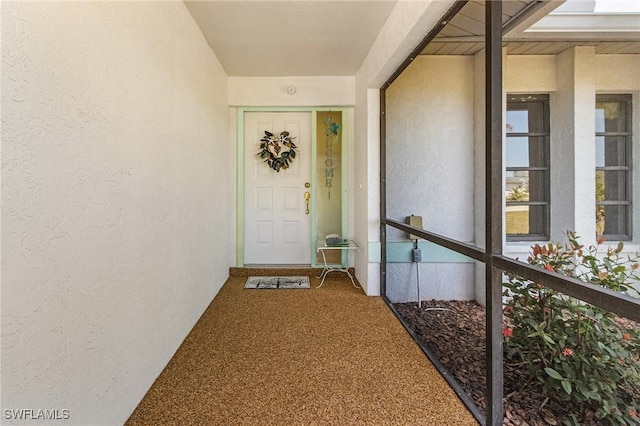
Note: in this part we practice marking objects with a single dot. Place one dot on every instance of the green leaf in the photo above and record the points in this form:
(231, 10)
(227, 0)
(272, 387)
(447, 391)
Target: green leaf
(566, 386)
(553, 373)
(592, 395)
(619, 269)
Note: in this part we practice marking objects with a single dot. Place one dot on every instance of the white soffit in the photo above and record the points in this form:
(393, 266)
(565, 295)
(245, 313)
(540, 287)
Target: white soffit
(591, 19)
(586, 23)
(290, 37)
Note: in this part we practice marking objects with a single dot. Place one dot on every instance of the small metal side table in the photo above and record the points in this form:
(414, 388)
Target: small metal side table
(322, 247)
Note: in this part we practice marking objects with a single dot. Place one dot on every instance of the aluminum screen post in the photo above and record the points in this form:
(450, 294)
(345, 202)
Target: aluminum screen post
(493, 231)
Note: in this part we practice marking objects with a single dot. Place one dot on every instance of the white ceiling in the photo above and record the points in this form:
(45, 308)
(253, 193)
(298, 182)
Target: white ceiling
(290, 37)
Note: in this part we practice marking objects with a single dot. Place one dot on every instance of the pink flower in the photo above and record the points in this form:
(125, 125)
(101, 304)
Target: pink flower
(626, 336)
(508, 309)
(548, 267)
(567, 352)
(600, 239)
(507, 332)
(634, 413)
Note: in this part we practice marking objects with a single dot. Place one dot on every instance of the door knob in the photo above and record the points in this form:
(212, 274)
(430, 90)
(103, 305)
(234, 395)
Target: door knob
(307, 195)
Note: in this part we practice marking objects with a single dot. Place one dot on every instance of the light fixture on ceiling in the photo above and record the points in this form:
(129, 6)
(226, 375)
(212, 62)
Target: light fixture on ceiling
(291, 89)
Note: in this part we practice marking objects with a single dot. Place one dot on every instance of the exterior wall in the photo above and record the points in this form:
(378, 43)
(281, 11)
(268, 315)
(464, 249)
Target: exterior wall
(430, 170)
(573, 158)
(572, 78)
(115, 165)
(532, 71)
(438, 281)
(403, 31)
(367, 188)
(616, 72)
(579, 75)
(310, 91)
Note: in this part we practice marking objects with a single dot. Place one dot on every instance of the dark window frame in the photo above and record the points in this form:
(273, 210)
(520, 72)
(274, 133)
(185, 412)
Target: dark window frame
(543, 100)
(627, 100)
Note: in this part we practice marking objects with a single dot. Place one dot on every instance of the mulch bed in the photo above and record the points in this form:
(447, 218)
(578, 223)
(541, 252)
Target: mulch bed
(456, 337)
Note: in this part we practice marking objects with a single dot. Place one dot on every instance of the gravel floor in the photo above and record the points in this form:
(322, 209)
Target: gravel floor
(456, 337)
(320, 356)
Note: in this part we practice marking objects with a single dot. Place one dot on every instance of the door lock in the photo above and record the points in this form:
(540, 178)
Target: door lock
(307, 195)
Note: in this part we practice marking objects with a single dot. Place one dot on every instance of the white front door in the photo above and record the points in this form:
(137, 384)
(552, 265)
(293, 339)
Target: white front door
(277, 225)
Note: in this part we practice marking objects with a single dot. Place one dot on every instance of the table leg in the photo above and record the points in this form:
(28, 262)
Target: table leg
(327, 269)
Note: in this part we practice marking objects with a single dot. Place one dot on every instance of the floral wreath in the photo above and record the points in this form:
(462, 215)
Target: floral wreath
(278, 151)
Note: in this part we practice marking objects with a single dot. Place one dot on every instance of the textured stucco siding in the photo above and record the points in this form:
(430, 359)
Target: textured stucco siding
(403, 31)
(438, 281)
(430, 146)
(430, 168)
(272, 91)
(115, 199)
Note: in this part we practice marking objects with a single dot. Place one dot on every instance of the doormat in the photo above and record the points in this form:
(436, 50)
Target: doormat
(277, 282)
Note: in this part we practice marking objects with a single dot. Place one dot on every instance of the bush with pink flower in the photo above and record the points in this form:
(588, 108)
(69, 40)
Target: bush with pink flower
(574, 351)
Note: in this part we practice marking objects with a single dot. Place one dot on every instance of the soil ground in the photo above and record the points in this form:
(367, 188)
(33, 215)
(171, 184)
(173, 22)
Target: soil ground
(456, 336)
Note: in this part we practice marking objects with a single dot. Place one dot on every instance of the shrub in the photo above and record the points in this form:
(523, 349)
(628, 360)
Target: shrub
(578, 353)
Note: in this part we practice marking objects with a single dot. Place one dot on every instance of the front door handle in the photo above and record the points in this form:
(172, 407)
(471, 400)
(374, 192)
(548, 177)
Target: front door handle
(307, 195)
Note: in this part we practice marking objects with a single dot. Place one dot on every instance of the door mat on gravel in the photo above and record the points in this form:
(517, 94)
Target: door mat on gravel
(277, 282)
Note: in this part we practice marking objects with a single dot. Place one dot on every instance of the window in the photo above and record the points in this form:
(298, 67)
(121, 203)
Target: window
(613, 166)
(527, 167)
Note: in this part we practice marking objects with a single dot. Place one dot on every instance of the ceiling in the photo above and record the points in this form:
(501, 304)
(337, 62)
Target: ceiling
(464, 34)
(273, 38)
(290, 37)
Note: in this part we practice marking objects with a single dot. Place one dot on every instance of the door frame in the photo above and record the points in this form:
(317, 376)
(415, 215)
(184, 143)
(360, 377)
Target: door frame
(240, 217)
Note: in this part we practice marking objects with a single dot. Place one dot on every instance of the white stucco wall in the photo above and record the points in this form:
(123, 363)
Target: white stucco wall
(367, 188)
(522, 72)
(617, 72)
(438, 281)
(310, 91)
(114, 167)
(430, 145)
(408, 24)
(430, 168)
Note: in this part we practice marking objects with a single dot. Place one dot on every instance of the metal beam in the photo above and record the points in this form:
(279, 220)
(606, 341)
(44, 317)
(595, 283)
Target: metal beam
(610, 300)
(457, 246)
(383, 191)
(493, 200)
(453, 11)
